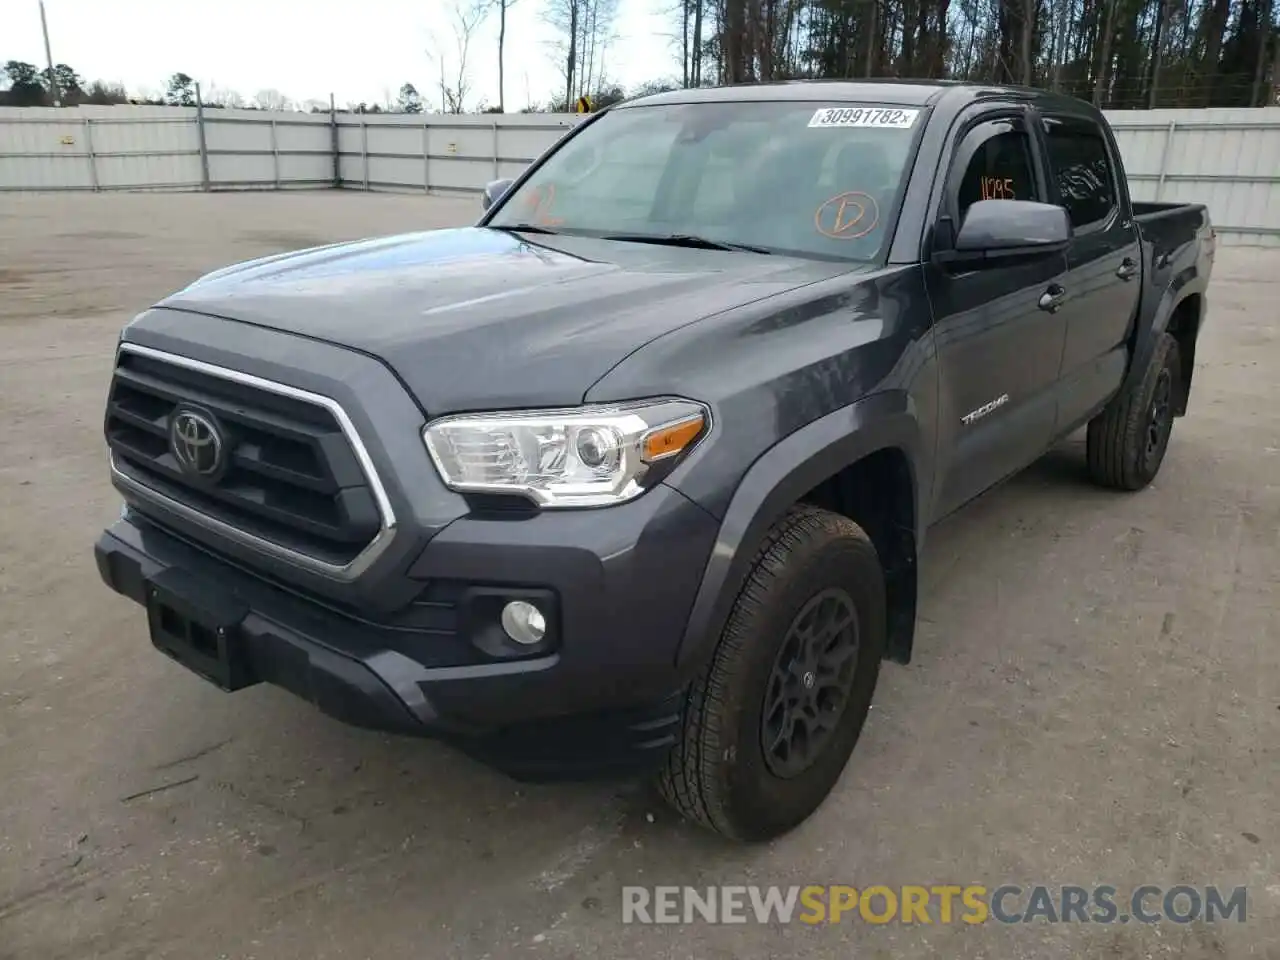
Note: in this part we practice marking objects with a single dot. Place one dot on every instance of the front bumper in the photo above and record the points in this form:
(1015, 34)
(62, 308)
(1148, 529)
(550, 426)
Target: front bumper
(604, 698)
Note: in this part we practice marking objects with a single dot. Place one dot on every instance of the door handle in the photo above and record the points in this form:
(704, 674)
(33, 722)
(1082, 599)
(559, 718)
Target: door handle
(1128, 269)
(1053, 298)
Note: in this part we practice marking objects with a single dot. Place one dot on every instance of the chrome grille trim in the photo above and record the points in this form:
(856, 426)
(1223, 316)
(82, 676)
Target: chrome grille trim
(345, 572)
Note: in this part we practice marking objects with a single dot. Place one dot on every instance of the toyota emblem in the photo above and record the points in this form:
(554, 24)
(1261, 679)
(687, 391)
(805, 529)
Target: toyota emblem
(196, 443)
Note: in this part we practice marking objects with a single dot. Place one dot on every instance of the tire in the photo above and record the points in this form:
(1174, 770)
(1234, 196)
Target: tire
(1127, 441)
(721, 774)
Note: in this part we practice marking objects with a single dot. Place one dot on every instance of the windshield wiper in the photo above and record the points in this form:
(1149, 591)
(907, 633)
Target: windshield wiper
(683, 240)
(523, 228)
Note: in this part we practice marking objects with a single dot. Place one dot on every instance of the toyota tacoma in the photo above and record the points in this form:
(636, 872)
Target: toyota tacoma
(634, 475)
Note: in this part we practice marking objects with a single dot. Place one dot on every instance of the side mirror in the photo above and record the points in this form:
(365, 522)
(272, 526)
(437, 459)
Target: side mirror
(1003, 229)
(493, 192)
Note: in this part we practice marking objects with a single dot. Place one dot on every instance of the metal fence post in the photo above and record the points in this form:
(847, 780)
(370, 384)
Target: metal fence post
(426, 159)
(333, 137)
(364, 151)
(495, 148)
(204, 149)
(88, 147)
(275, 154)
(1164, 158)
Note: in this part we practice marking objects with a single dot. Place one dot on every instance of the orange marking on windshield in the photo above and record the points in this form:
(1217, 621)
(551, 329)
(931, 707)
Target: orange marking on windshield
(847, 216)
(540, 202)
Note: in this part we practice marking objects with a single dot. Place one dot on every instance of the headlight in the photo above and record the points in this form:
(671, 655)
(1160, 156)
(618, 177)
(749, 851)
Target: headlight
(580, 457)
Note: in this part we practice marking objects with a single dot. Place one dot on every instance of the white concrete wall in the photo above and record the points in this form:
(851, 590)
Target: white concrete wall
(1226, 158)
(248, 149)
(442, 153)
(1229, 159)
(102, 148)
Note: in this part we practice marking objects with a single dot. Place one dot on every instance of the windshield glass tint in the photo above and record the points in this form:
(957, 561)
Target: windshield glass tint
(798, 178)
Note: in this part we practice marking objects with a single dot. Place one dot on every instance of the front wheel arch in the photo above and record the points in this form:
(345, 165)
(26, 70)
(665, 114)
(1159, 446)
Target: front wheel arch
(814, 465)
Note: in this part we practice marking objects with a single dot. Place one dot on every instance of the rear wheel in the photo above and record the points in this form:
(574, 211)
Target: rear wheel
(1127, 441)
(770, 723)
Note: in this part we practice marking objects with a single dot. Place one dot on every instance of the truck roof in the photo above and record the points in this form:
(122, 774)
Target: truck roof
(956, 94)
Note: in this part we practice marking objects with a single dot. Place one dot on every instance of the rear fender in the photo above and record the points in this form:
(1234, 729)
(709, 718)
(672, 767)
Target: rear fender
(1187, 277)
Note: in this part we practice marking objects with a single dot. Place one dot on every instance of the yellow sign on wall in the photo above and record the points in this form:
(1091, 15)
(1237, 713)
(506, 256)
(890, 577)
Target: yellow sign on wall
(583, 105)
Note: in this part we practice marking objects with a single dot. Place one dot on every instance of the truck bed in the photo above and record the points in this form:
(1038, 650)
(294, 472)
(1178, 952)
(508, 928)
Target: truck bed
(1173, 229)
(1145, 212)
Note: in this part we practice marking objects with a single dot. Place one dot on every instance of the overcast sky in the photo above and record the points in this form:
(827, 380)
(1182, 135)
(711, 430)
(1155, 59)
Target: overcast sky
(358, 49)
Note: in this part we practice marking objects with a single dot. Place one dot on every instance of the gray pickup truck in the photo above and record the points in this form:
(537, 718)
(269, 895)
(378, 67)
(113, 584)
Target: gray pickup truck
(635, 474)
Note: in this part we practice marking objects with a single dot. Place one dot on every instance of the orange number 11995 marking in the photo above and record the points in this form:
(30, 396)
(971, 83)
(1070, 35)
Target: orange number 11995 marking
(998, 188)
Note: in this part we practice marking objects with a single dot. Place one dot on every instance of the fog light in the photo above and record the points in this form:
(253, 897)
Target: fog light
(523, 622)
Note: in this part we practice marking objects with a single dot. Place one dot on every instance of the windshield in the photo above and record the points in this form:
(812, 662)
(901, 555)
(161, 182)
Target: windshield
(795, 178)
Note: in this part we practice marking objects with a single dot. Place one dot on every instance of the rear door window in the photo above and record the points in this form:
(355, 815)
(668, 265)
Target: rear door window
(1081, 167)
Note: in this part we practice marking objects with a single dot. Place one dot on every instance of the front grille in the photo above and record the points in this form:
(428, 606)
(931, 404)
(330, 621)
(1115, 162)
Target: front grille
(291, 477)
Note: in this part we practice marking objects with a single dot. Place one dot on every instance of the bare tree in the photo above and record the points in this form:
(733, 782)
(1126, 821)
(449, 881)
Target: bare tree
(678, 12)
(589, 37)
(450, 53)
(575, 19)
(687, 18)
(1028, 28)
(1104, 62)
(735, 41)
(1119, 53)
(686, 62)
(222, 96)
(1153, 85)
(503, 6)
(695, 67)
(565, 17)
(1257, 97)
(1214, 26)
(597, 34)
(585, 29)
(271, 100)
(1060, 41)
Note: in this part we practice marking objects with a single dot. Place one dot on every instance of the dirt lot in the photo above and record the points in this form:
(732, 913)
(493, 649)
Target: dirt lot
(1095, 696)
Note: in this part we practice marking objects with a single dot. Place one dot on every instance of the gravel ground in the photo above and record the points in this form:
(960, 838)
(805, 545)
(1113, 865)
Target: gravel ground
(1095, 696)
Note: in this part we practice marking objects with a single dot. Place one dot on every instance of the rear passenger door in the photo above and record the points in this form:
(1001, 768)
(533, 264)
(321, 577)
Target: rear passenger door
(1104, 274)
(998, 350)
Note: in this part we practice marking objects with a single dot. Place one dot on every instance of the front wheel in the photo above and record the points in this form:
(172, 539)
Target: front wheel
(1127, 441)
(771, 721)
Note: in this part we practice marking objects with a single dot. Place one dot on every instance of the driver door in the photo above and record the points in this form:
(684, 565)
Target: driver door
(999, 352)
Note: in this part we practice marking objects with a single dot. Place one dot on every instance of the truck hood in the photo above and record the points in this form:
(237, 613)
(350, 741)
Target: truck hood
(475, 319)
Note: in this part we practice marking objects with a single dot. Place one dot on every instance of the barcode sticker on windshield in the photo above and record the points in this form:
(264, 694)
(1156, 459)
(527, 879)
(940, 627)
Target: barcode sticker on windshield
(890, 117)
